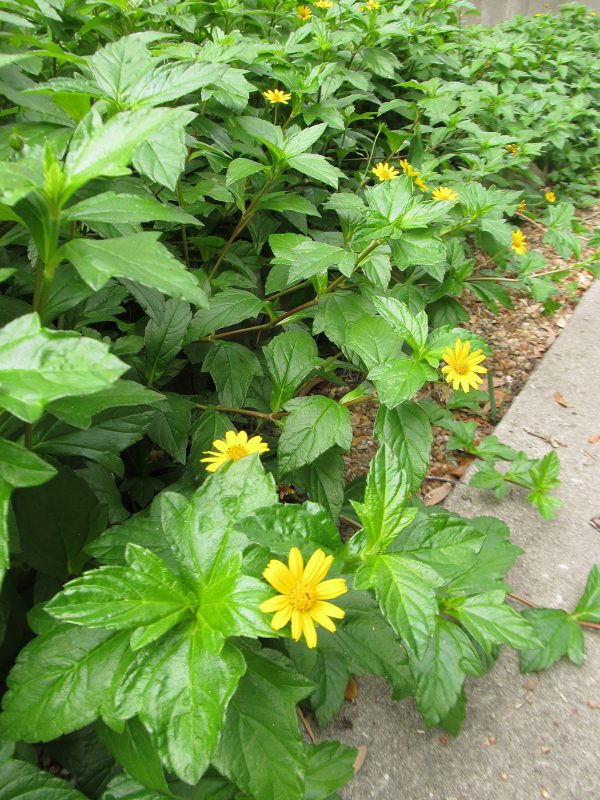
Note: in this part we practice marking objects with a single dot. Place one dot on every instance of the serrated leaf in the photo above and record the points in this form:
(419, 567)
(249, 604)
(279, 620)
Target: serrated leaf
(323, 481)
(314, 425)
(588, 608)
(22, 781)
(170, 426)
(491, 621)
(232, 367)
(126, 209)
(399, 380)
(374, 341)
(406, 430)
(317, 168)
(330, 765)
(411, 327)
(291, 357)
(224, 309)
(20, 467)
(38, 365)
(559, 635)
(307, 526)
(79, 411)
(163, 338)
(134, 751)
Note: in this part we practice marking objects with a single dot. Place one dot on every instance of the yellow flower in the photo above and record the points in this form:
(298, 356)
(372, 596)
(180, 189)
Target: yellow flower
(372, 5)
(408, 169)
(550, 197)
(384, 172)
(323, 4)
(304, 13)
(512, 149)
(302, 595)
(539, 14)
(277, 96)
(462, 366)
(519, 244)
(444, 193)
(521, 207)
(235, 446)
(592, 14)
(421, 184)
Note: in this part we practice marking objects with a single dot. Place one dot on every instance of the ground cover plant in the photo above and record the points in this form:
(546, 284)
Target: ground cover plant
(209, 210)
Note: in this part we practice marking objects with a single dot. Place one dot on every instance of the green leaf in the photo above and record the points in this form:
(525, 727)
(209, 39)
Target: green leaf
(330, 765)
(291, 357)
(180, 692)
(317, 168)
(314, 425)
(330, 672)
(163, 338)
(79, 411)
(411, 327)
(305, 257)
(588, 608)
(300, 141)
(99, 148)
(559, 635)
(232, 367)
(406, 430)
(491, 621)
(323, 481)
(224, 309)
(22, 781)
(17, 180)
(400, 379)
(306, 526)
(374, 341)
(139, 257)
(420, 248)
(261, 749)
(383, 512)
(38, 365)
(145, 597)
(201, 530)
(162, 156)
(59, 682)
(441, 672)
(126, 209)
(169, 81)
(20, 467)
(405, 591)
(134, 751)
(170, 426)
(5, 493)
(240, 168)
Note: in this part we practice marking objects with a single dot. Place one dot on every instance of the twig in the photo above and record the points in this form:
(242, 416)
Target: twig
(306, 724)
(246, 412)
(440, 478)
(592, 625)
(350, 521)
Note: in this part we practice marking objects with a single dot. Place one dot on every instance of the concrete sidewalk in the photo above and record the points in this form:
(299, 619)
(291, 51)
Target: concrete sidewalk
(525, 737)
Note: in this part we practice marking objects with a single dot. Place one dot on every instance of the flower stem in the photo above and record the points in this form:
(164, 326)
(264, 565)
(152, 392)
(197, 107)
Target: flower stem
(492, 398)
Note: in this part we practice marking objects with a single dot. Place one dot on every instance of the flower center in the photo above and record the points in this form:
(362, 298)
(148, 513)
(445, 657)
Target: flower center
(461, 368)
(236, 451)
(302, 597)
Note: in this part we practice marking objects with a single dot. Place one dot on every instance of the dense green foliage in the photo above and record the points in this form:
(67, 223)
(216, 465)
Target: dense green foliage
(181, 257)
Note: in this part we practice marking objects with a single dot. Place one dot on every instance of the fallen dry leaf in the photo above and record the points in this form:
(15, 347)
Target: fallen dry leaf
(351, 692)
(360, 758)
(594, 704)
(443, 739)
(560, 400)
(530, 684)
(491, 740)
(595, 523)
(436, 496)
(594, 439)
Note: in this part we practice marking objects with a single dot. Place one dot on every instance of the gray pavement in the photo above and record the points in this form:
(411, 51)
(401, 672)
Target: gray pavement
(525, 737)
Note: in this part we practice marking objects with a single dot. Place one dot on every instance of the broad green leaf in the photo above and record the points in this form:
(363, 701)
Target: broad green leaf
(169, 81)
(383, 511)
(145, 597)
(280, 526)
(314, 425)
(420, 248)
(224, 309)
(5, 493)
(80, 411)
(491, 621)
(139, 257)
(588, 608)
(406, 430)
(22, 781)
(405, 591)
(559, 634)
(59, 682)
(284, 201)
(180, 692)
(298, 142)
(317, 168)
(170, 426)
(232, 367)
(261, 728)
(201, 530)
(105, 148)
(240, 168)
(163, 338)
(323, 481)
(337, 312)
(330, 672)
(411, 327)
(162, 156)
(374, 341)
(291, 357)
(20, 467)
(441, 672)
(330, 765)
(17, 180)
(134, 751)
(38, 365)
(305, 257)
(126, 209)
(399, 380)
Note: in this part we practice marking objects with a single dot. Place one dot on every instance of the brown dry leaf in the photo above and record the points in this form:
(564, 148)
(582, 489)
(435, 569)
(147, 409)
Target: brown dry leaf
(560, 400)
(438, 495)
(460, 469)
(593, 704)
(443, 740)
(360, 758)
(491, 740)
(530, 684)
(351, 692)
(595, 523)
(594, 439)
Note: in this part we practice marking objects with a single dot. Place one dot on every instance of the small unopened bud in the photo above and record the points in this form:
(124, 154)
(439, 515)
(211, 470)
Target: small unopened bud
(16, 141)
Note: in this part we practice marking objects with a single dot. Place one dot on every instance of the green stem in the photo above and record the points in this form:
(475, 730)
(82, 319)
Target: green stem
(184, 241)
(492, 398)
(39, 279)
(28, 435)
(246, 412)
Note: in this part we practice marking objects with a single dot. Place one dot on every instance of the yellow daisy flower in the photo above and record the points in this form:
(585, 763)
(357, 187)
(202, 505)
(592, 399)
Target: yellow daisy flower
(539, 14)
(521, 207)
(304, 13)
(550, 197)
(513, 149)
(384, 172)
(408, 169)
(277, 96)
(323, 4)
(235, 446)
(303, 594)
(519, 244)
(421, 184)
(462, 366)
(372, 5)
(444, 193)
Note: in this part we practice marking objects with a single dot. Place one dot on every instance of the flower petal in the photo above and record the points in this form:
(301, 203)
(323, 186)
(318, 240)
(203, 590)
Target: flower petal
(308, 628)
(297, 624)
(275, 603)
(296, 563)
(281, 618)
(317, 567)
(327, 590)
(220, 445)
(242, 438)
(279, 576)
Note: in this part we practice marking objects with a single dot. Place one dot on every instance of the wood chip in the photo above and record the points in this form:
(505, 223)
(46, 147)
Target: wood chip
(530, 684)
(438, 495)
(491, 740)
(351, 692)
(545, 794)
(560, 400)
(594, 439)
(360, 758)
(545, 749)
(593, 704)
(503, 776)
